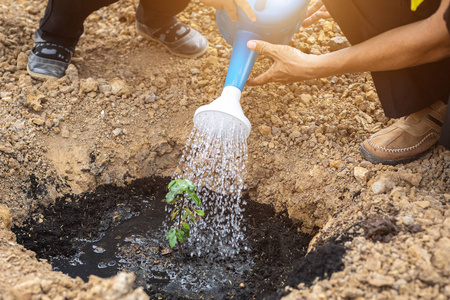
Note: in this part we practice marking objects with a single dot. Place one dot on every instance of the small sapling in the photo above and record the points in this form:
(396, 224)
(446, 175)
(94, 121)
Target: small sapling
(185, 210)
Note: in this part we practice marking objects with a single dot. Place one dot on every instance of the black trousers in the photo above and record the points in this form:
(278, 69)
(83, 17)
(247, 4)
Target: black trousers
(403, 91)
(63, 19)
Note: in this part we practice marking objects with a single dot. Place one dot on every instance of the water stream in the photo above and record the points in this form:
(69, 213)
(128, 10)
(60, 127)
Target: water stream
(216, 162)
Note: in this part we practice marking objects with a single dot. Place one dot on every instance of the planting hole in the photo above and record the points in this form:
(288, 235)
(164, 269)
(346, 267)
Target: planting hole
(117, 229)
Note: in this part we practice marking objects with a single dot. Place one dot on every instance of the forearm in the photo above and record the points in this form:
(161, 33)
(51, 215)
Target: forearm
(414, 44)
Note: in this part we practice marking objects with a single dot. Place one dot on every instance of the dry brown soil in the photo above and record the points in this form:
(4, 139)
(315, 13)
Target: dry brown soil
(129, 103)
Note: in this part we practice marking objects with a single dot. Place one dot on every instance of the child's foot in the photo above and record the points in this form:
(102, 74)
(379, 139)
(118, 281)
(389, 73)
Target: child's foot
(178, 38)
(48, 60)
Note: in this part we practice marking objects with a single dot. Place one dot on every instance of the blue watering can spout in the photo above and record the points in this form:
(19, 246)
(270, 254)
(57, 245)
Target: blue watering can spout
(242, 59)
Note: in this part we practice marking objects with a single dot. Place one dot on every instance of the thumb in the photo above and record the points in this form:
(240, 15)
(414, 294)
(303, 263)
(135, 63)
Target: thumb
(260, 47)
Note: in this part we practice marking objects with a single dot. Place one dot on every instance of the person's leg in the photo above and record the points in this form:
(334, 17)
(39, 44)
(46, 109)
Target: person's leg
(156, 21)
(63, 20)
(412, 91)
(157, 14)
(58, 34)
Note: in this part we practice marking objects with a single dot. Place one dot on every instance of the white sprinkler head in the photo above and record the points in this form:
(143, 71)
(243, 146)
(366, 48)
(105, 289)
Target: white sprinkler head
(223, 114)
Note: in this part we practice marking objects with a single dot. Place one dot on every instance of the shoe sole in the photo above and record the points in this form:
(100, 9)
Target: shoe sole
(376, 160)
(39, 76)
(150, 38)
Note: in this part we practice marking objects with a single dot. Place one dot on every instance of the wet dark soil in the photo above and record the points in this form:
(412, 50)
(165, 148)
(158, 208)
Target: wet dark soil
(120, 228)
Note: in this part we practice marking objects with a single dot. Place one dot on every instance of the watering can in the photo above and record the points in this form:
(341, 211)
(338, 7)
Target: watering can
(277, 21)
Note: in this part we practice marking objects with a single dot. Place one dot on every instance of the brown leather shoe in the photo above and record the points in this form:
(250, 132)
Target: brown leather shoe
(407, 139)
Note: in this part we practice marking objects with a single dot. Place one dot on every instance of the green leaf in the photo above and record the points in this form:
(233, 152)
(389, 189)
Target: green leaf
(174, 213)
(193, 197)
(180, 234)
(190, 213)
(186, 232)
(172, 241)
(172, 183)
(171, 236)
(199, 212)
(171, 197)
(170, 233)
(185, 225)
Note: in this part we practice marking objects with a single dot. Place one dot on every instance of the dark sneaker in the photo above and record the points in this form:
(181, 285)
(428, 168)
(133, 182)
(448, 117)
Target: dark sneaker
(178, 38)
(48, 60)
(407, 139)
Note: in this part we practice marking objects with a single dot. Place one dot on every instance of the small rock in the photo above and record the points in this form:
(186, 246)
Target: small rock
(34, 102)
(7, 148)
(399, 283)
(211, 61)
(65, 132)
(407, 220)
(417, 253)
(184, 102)
(428, 275)
(104, 88)
(160, 82)
(22, 61)
(72, 73)
(352, 293)
(304, 47)
(328, 26)
(119, 88)
(446, 223)
(5, 218)
(380, 280)
(294, 135)
(311, 40)
(46, 285)
(88, 85)
(38, 121)
(335, 164)
(26, 289)
(372, 264)
(306, 99)
(276, 121)
(441, 254)
(264, 130)
(117, 131)
(372, 96)
(166, 251)
(413, 179)
(447, 290)
(361, 174)
(338, 43)
(378, 187)
(422, 204)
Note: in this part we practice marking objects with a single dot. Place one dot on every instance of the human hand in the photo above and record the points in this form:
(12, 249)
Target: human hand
(230, 6)
(290, 64)
(316, 12)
